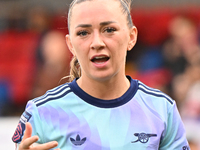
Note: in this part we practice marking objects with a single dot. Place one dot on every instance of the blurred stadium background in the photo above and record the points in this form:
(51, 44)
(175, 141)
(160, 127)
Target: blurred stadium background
(34, 56)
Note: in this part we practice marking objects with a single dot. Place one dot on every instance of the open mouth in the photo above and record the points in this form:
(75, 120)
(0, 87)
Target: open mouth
(100, 59)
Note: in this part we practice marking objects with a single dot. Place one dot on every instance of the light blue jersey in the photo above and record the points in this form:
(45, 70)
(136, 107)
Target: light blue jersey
(142, 119)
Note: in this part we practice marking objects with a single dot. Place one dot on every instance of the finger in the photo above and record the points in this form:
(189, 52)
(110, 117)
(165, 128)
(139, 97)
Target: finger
(29, 141)
(28, 131)
(47, 146)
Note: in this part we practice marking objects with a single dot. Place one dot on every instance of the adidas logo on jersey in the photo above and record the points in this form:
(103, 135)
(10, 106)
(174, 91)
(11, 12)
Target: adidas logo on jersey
(78, 141)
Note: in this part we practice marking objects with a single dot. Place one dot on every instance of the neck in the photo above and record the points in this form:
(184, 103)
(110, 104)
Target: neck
(106, 90)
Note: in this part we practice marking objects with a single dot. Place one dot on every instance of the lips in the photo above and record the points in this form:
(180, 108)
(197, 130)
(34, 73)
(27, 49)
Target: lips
(100, 59)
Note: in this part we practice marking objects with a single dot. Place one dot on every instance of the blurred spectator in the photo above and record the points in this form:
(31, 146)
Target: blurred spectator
(182, 82)
(191, 106)
(17, 62)
(30, 52)
(55, 64)
(190, 112)
(39, 19)
(52, 52)
(182, 55)
(183, 46)
(18, 45)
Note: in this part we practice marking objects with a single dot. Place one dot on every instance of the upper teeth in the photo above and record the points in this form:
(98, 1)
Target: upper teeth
(99, 57)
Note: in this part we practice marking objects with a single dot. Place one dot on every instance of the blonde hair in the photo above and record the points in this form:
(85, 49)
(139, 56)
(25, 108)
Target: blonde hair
(75, 70)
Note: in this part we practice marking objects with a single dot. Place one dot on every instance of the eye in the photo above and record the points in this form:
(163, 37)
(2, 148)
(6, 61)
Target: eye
(82, 33)
(109, 29)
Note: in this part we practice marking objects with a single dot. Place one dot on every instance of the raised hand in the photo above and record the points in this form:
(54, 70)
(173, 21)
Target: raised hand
(28, 141)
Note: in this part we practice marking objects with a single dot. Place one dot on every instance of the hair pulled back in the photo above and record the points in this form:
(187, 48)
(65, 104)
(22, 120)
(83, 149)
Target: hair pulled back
(125, 5)
(75, 70)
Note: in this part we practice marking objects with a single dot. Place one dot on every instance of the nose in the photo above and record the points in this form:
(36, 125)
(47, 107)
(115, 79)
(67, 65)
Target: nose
(97, 42)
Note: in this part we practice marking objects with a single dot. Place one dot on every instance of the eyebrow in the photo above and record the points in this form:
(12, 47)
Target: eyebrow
(83, 25)
(101, 24)
(107, 23)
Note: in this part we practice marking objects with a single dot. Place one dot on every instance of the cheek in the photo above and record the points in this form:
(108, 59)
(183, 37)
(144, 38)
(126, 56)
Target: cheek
(122, 45)
(119, 52)
(77, 46)
(123, 40)
(80, 50)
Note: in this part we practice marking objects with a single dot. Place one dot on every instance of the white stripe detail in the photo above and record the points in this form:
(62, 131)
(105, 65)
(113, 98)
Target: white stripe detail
(147, 87)
(55, 90)
(23, 119)
(155, 91)
(52, 96)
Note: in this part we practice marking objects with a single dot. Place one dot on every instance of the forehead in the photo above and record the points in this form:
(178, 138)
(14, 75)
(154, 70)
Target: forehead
(97, 9)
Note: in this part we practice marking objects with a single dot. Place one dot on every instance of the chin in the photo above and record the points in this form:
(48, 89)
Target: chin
(103, 77)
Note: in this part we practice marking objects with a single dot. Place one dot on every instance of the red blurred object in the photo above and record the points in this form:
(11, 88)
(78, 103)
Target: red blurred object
(153, 23)
(155, 78)
(17, 63)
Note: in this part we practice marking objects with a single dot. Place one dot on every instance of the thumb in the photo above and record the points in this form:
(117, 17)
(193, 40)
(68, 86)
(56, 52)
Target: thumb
(27, 140)
(28, 131)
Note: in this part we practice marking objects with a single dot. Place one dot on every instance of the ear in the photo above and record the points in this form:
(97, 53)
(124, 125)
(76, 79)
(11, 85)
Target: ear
(69, 44)
(133, 38)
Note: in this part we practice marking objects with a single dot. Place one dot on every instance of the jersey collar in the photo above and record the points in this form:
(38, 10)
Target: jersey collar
(126, 97)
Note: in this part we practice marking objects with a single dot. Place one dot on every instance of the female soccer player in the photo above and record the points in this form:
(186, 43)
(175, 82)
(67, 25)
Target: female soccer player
(102, 108)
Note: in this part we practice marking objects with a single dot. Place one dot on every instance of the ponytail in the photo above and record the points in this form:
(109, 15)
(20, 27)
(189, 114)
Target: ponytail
(75, 71)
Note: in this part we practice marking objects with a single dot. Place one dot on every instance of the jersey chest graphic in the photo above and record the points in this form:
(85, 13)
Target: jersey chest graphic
(143, 137)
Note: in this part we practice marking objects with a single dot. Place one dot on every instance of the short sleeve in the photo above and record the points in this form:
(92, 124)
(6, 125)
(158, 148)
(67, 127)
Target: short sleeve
(29, 115)
(174, 136)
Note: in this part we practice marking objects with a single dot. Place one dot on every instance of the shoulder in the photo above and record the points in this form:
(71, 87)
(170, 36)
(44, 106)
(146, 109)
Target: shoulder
(154, 101)
(153, 94)
(56, 93)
